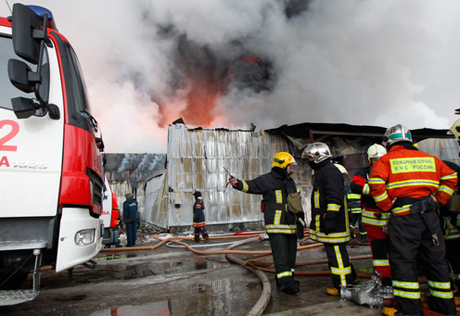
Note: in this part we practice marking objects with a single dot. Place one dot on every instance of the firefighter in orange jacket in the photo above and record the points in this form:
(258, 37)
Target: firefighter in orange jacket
(410, 183)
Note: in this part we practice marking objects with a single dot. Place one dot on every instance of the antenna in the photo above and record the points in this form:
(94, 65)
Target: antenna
(9, 6)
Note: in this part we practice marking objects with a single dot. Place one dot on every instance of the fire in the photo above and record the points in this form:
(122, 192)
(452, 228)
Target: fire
(199, 103)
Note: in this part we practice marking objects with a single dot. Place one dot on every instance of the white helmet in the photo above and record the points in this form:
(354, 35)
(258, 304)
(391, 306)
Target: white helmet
(319, 152)
(375, 151)
(455, 129)
(397, 133)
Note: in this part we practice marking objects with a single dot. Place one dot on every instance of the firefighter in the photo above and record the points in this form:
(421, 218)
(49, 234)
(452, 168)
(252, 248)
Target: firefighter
(451, 221)
(410, 184)
(282, 225)
(130, 217)
(355, 213)
(330, 224)
(198, 218)
(374, 220)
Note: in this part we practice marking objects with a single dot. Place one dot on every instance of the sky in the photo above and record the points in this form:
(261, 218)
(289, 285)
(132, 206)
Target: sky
(233, 63)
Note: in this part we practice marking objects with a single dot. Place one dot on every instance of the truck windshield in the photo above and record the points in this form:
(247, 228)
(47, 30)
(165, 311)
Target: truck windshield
(7, 90)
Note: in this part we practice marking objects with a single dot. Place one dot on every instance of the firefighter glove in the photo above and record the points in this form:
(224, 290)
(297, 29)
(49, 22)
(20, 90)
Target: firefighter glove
(329, 222)
(300, 226)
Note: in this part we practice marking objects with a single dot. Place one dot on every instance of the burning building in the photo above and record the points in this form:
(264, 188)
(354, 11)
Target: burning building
(198, 159)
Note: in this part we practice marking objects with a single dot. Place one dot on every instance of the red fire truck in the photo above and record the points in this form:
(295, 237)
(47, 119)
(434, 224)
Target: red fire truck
(51, 178)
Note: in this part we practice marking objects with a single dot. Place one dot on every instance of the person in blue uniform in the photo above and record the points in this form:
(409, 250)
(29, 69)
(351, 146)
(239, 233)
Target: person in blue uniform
(199, 222)
(130, 218)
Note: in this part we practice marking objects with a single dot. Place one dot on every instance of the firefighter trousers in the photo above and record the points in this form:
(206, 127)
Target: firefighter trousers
(201, 230)
(343, 272)
(378, 241)
(284, 250)
(409, 237)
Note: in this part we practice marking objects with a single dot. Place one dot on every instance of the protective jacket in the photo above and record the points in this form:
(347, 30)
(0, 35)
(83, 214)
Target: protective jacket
(371, 214)
(407, 172)
(330, 222)
(130, 210)
(410, 178)
(198, 213)
(274, 187)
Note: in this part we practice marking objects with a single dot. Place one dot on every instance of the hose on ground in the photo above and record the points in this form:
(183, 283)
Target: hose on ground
(264, 298)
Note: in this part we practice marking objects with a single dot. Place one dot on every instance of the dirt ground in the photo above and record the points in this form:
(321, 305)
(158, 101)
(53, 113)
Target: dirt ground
(173, 280)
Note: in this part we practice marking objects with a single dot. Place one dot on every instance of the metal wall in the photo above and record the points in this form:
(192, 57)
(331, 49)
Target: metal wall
(195, 161)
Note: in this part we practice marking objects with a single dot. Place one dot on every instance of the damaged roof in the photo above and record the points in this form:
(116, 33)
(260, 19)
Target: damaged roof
(312, 131)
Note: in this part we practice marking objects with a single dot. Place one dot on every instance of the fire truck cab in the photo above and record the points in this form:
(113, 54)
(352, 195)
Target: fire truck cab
(51, 178)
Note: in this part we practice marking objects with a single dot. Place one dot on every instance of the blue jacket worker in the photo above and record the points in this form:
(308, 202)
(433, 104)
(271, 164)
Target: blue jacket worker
(130, 218)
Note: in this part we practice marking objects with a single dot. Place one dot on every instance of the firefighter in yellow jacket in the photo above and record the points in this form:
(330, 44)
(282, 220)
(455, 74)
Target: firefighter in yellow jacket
(330, 224)
(282, 225)
(410, 184)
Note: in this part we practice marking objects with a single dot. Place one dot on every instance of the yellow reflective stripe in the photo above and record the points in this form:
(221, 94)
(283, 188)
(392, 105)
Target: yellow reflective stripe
(381, 197)
(413, 182)
(376, 181)
(354, 196)
(341, 271)
(333, 207)
(443, 295)
(316, 198)
(283, 274)
(450, 176)
(446, 189)
(381, 263)
(439, 285)
(277, 218)
(419, 164)
(302, 221)
(330, 238)
(366, 189)
(292, 270)
(402, 209)
(375, 222)
(245, 186)
(281, 229)
(405, 294)
(406, 285)
(278, 196)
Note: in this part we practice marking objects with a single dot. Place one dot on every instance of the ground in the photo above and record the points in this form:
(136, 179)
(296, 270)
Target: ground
(173, 280)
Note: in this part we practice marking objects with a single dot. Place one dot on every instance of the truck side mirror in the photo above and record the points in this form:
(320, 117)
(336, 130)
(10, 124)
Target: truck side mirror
(22, 76)
(26, 30)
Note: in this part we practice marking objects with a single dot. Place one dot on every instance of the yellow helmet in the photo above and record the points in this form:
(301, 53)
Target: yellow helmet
(282, 160)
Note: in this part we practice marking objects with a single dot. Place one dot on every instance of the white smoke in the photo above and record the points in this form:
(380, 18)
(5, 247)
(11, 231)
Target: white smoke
(350, 61)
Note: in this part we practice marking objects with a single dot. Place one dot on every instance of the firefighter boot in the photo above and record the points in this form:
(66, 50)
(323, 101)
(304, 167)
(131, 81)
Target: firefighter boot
(333, 291)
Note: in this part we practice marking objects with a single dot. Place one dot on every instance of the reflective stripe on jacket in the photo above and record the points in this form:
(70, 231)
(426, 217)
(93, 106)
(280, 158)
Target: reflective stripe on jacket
(274, 187)
(371, 214)
(329, 196)
(404, 172)
(198, 213)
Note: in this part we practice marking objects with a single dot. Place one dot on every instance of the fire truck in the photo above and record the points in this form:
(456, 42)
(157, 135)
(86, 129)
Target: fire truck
(110, 216)
(51, 177)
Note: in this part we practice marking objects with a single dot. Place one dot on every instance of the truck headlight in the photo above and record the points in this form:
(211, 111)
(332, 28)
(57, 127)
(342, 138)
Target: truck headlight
(85, 237)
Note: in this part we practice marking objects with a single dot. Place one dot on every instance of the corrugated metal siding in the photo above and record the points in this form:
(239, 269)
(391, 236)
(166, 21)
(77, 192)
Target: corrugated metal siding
(196, 161)
(153, 197)
(445, 149)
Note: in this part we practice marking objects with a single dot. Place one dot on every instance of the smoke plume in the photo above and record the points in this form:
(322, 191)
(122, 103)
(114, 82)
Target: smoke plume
(219, 63)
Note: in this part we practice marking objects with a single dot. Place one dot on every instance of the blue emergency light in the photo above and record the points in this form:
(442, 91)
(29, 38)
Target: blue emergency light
(40, 11)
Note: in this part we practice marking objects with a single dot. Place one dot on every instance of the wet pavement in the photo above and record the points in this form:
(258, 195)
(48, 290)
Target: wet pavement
(173, 280)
